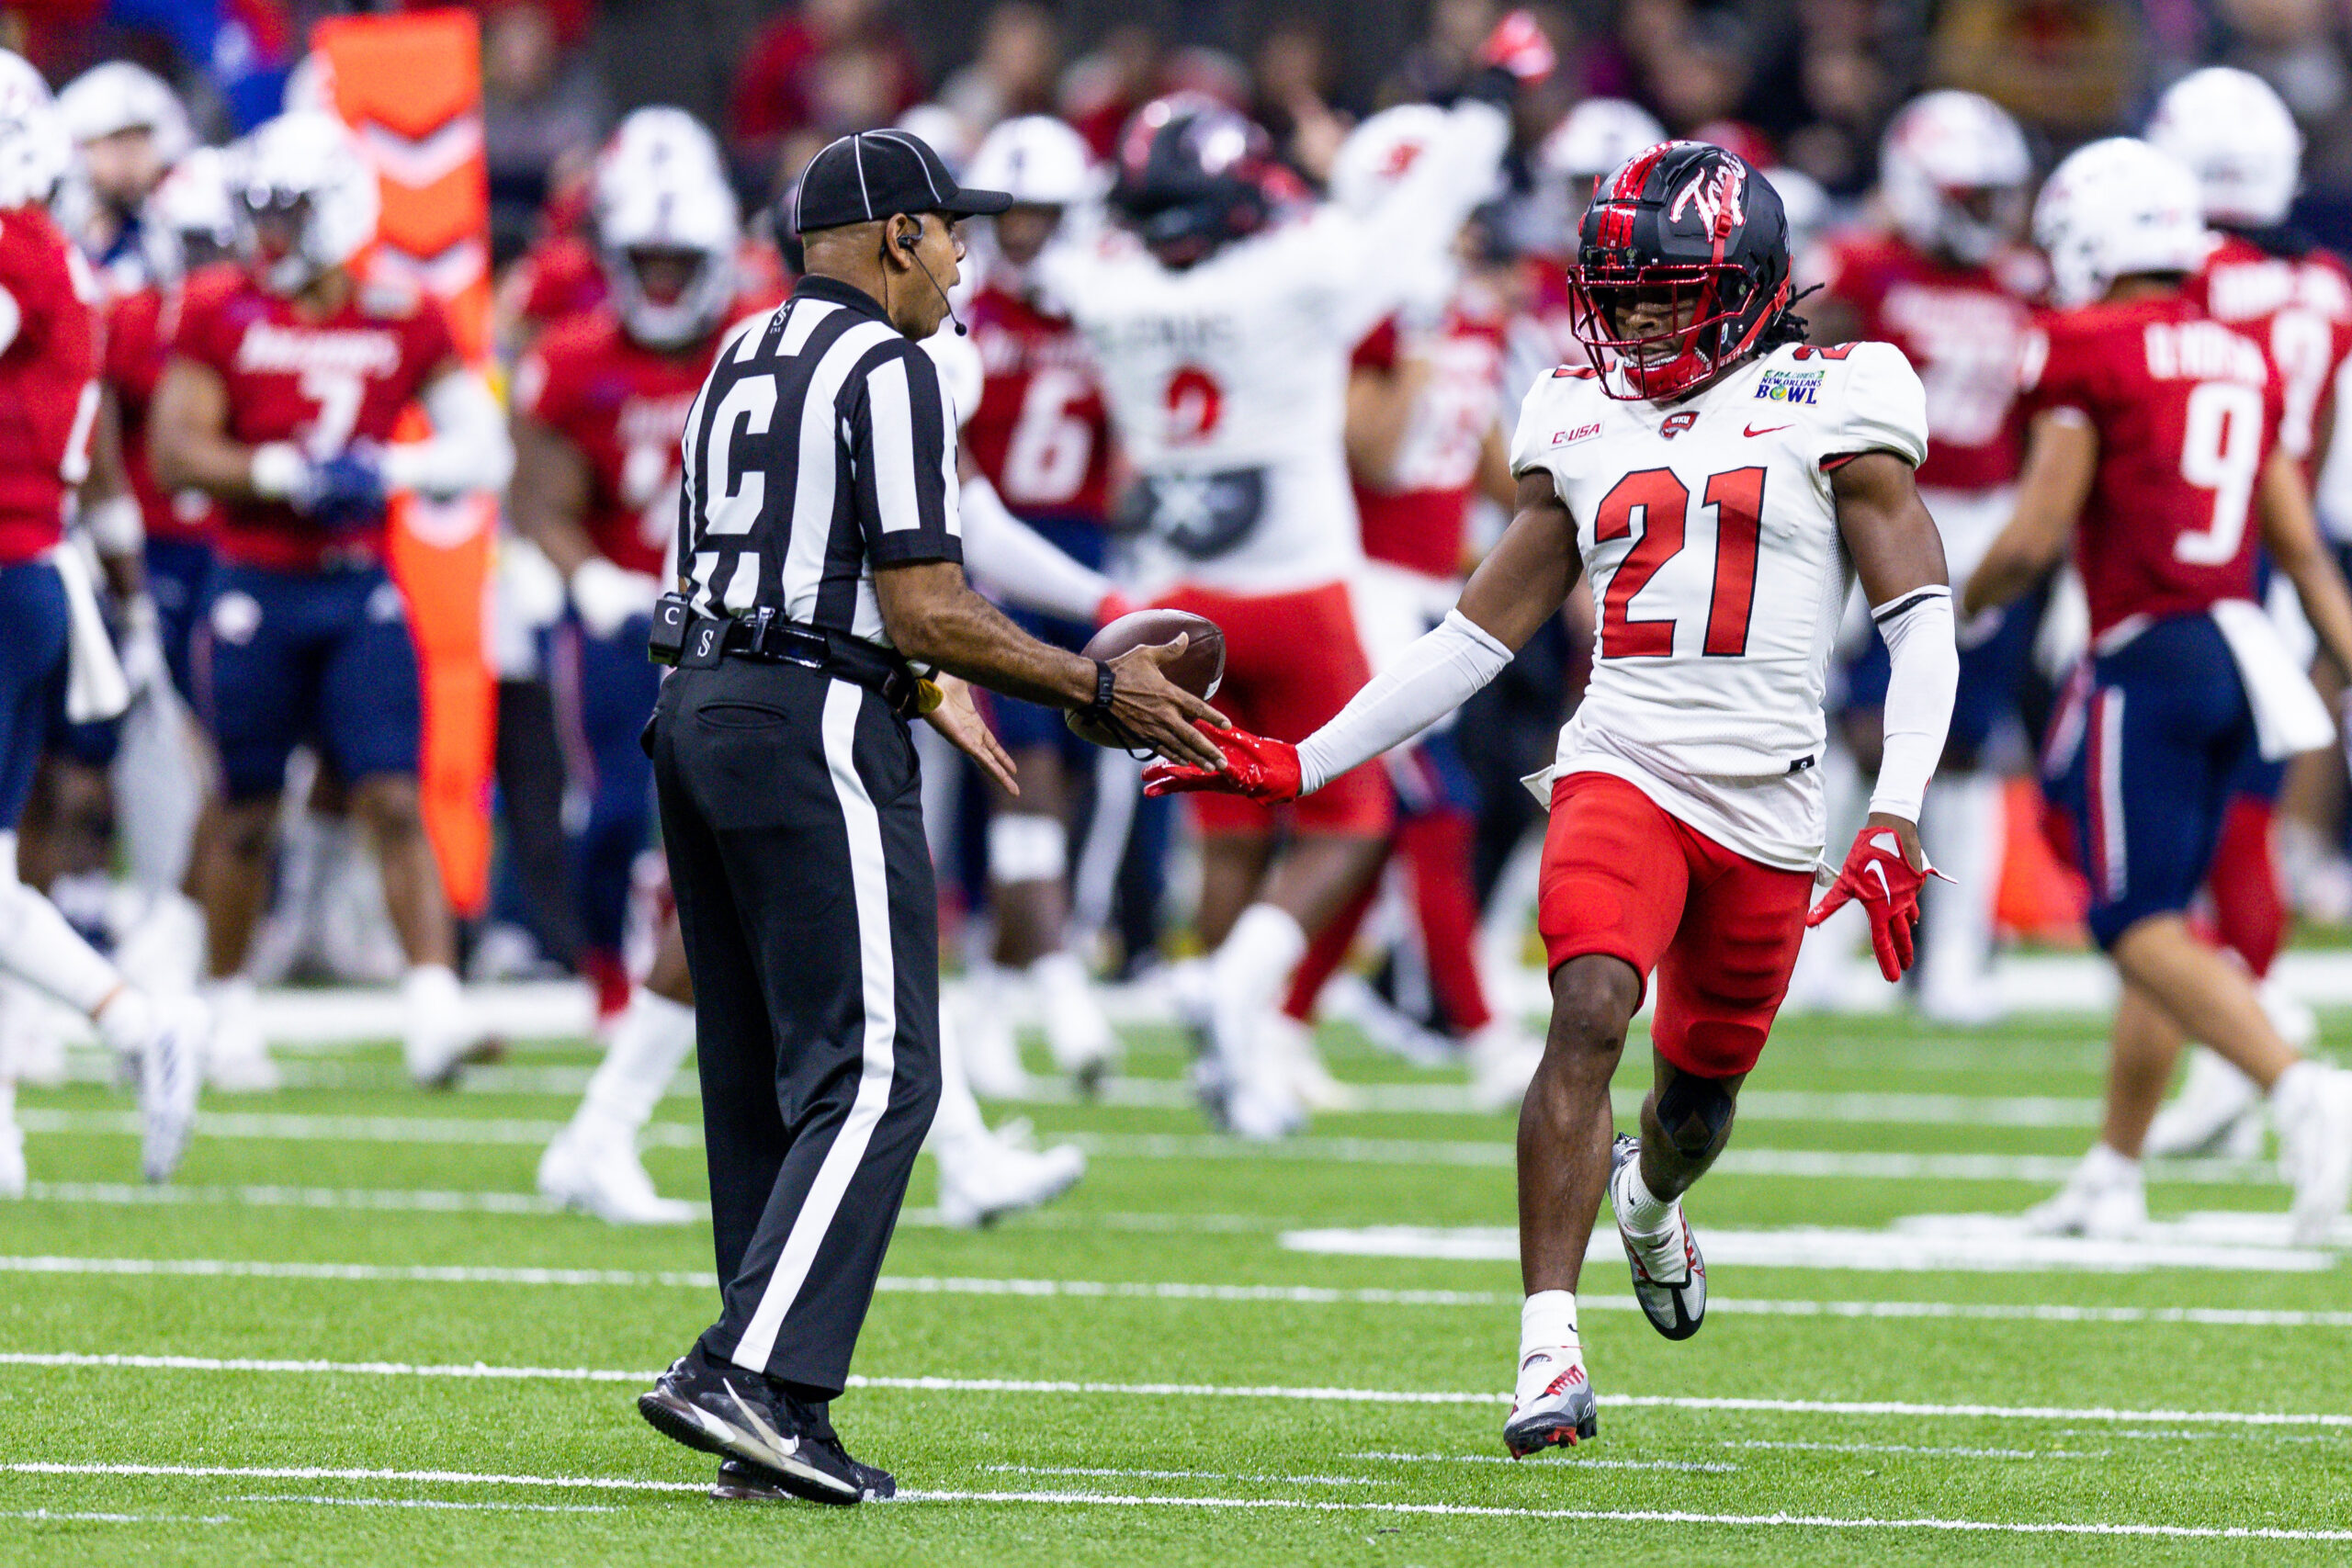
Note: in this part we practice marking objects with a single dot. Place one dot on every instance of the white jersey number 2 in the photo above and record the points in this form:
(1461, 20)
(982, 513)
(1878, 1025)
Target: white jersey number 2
(2221, 451)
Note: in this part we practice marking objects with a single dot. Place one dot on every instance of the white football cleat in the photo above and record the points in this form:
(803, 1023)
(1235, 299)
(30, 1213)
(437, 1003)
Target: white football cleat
(236, 1058)
(984, 1177)
(2218, 1110)
(1670, 1276)
(1288, 1049)
(603, 1176)
(2311, 1104)
(171, 1073)
(1552, 1405)
(1503, 1059)
(2105, 1200)
(1261, 1100)
(1079, 1037)
(441, 1033)
(992, 1051)
(11, 1159)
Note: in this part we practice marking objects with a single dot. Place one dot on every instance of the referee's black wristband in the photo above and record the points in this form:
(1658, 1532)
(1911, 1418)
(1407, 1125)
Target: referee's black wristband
(1100, 708)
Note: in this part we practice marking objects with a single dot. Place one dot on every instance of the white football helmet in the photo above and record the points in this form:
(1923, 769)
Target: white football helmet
(679, 208)
(653, 142)
(34, 151)
(1039, 160)
(2234, 134)
(1954, 170)
(1597, 135)
(117, 96)
(2113, 208)
(304, 170)
(191, 218)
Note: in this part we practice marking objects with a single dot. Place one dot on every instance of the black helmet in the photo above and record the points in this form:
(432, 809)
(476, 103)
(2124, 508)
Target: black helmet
(1688, 222)
(1194, 174)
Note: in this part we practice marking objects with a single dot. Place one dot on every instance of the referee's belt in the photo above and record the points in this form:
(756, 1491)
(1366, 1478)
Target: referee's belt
(764, 639)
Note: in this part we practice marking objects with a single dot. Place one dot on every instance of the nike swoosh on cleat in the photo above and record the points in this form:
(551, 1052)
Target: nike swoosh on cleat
(1767, 429)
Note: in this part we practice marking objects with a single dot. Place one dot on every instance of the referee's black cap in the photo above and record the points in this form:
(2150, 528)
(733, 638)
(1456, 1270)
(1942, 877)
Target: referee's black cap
(873, 173)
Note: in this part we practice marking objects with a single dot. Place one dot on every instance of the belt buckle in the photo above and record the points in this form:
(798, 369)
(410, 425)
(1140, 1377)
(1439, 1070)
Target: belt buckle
(803, 645)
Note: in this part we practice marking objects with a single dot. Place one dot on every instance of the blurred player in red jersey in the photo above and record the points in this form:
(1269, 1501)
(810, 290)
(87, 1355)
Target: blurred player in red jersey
(600, 408)
(130, 128)
(2154, 453)
(286, 377)
(2269, 279)
(1041, 439)
(1946, 287)
(1424, 437)
(56, 662)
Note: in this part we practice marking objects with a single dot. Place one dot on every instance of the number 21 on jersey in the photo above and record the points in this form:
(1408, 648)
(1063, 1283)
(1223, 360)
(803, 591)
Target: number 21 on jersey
(1663, 502)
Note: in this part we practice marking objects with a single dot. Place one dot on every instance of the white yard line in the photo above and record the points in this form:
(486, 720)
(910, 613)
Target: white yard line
(311, 1473)
(68, 1516)
(1100, 1290)
(1582, 1462)
(1191, 1475)
(136, 1195)
(1649, 1516)
(1916, 1449)
(1179, 1391)
(433, 1503)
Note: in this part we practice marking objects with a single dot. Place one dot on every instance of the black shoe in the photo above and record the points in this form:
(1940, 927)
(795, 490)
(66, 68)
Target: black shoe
(738, 1414)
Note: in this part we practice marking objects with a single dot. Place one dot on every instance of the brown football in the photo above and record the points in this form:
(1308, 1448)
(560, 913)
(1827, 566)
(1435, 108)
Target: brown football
(1198, 669)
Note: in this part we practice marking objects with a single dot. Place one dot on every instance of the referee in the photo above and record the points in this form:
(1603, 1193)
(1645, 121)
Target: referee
(820, 564)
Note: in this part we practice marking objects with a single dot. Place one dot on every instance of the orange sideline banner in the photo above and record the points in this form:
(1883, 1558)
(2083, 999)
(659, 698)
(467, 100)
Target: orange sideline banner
(410, 86)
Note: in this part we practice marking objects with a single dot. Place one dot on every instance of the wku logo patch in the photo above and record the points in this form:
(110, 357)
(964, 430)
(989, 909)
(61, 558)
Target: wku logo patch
(1720, 195)
(1676, 424)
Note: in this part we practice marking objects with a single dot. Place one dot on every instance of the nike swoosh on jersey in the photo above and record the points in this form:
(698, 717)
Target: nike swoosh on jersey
(1767, 429)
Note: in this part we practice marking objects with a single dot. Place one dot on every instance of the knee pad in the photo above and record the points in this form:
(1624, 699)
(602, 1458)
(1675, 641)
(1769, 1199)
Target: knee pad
(1695, 1113)
(1024, 847)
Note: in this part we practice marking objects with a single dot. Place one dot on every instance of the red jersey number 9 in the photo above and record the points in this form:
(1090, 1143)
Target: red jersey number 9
(1194, 402)
(2221, 450)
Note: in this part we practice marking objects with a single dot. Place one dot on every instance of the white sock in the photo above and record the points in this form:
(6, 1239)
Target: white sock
(1964, 816)
(957, 1120)
(649, 1041)
(126, 1021)
(1639, 1210)
(430, 985)
(1257, 956)
(2109, 1167)
(1547, 1326)
(39, 948)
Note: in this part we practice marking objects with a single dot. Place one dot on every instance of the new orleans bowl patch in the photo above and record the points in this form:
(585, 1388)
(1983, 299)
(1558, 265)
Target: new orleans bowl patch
(1789, 386)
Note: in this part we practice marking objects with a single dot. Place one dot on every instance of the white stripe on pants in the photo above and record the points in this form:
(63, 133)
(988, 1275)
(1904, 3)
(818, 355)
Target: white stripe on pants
(870, 889)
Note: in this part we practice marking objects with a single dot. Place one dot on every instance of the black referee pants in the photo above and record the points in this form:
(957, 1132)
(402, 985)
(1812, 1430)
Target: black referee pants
(791, 812)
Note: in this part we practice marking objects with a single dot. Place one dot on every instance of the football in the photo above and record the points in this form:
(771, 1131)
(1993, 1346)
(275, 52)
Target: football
(1199, 669)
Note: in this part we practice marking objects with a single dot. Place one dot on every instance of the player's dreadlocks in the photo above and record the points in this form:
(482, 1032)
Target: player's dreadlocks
(1786, 328)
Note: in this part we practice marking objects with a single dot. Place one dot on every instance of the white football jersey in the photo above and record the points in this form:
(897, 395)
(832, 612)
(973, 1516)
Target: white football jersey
(1226, 381)
(1710, 546)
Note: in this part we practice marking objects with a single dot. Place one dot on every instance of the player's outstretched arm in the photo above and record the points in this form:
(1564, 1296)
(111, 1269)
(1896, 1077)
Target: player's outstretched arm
(2060, 461)
(1517, 589)
(469, 449)
(2291, 532)
(188, 443)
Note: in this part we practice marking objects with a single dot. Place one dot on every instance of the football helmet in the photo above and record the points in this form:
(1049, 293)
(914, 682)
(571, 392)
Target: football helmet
(306, 199)
(2233, 132)
(653, 142)
(35, 149)
(667, 236)
(1039, 160)
(191, 218)
(1196, 175)
(1695, 227)
(2113, 208)
(1953, 170)
(108, 99)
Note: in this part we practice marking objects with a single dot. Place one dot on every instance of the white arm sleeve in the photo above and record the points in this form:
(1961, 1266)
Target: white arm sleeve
(469, 449)
(1014, 561)
(1923, 673)
(1395, 244)
(1429, 680)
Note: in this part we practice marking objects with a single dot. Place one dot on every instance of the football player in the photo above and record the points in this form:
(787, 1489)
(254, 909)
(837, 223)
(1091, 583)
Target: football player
(286, 377)
(56, 657)
(599, 407)
(1719, 483)
(2154, 455)
(1041, 439)
(2269, 279)
(1223, 324)
(131, 128)
(1424, 435)
(1945, 285)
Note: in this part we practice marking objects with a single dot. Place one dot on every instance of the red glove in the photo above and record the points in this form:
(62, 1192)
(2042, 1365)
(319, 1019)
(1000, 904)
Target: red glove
(1256, 768)
(1518, 45)
(1888, 889)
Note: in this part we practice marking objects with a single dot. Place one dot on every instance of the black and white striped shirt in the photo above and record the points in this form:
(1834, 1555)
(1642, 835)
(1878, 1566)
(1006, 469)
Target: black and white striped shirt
(822, 445)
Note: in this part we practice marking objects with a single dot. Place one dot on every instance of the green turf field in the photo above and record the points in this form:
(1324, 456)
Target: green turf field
(351, 1335)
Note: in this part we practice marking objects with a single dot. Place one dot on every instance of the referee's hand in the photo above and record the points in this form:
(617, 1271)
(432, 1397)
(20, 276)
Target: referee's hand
(1161, 713)
(959, 718)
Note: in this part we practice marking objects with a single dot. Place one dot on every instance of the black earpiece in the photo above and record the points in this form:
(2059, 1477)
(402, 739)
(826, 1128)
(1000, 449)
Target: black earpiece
(911, 244)
(910, 241)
